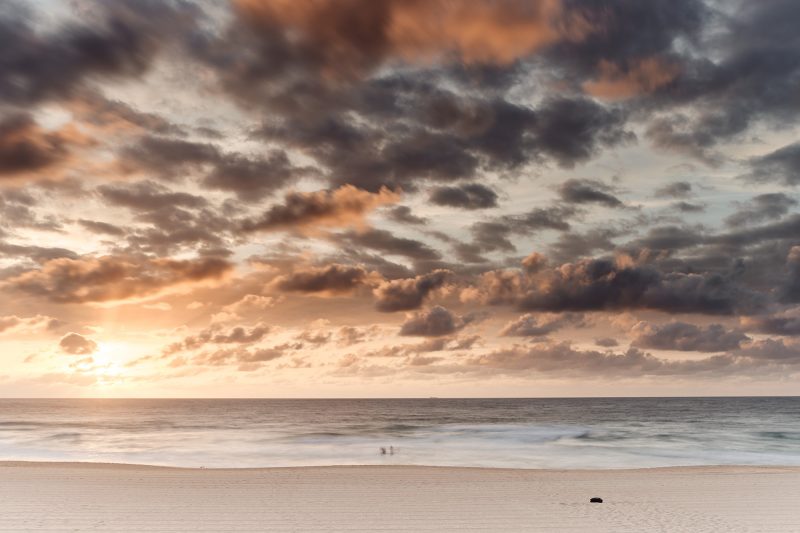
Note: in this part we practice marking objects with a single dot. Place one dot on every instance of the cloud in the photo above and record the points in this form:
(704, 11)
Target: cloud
(249, 304)
(560, 358)
(250, 178)
(688, 207)
(174, 220)
(25, 147)
(790, 292)
(346, 206)
(677, 189)
(588, 191)
(217, 334)
(15, 324)
(747, 79)
(780, 166)
(334, 279)
(606, 342)
(772, 350)
(403, 215)
(410, 293)
(639, 77)
(783, 323)
(149, 196)
(761, 208)
(102, 228)
(245, 359)
(434, 322)
(112, 278)
(327, 35)
(529, 325)
(597, 284)
(467, 196)
(386, 242)
(119, 40)
(76, 344)
(687, 337)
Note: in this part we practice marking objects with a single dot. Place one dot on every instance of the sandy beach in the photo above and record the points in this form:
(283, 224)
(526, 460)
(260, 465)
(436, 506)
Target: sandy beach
(106, 497)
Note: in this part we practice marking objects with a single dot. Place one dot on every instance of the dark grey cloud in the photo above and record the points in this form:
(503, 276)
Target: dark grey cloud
(148, 196)
(606, 342)
(165, 156)
(785, 323)
(746, 75)
(250, 178)
(761, 208)
(562, 359)
(102, 228)
(669, 238)
(96, 109)
(781, 166)
(677, 189)
(26, 147)
(169, 221)
(410, 293)
(330, 279)
(772, 350)
(389, 244)
(688, 207)
(218, 334)
(119, 39)
(584, 191)
(77, 344)
(790, 292)
(601, 284)
(688, 337)
(404, 215)
(466, 196)
(530, 325)
(494, 235)
(37, 254)
(434, 322)
(345, 206)
(111, 278)
(20, 209)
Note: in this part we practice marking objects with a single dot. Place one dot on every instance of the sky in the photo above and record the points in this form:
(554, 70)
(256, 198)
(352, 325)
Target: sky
(390, 198)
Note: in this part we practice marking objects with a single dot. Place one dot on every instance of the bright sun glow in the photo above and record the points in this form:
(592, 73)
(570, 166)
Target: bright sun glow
(105, 363)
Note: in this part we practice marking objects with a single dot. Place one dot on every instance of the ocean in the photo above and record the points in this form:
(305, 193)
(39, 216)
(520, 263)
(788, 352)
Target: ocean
(517, 433)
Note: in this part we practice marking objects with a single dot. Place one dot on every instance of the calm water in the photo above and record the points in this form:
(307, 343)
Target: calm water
(528, 433)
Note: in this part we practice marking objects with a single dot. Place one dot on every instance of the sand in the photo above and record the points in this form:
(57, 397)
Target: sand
(103, 497)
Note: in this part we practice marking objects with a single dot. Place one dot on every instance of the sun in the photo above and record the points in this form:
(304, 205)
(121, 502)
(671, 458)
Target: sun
(105, 363)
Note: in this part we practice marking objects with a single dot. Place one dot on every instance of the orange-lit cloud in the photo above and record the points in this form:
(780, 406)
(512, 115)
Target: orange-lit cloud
(642, 77)
(110, 278)
(26, 148)
(351, 36)
(346, 206)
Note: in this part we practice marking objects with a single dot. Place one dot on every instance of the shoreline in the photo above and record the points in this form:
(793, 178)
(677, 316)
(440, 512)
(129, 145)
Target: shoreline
(738, 468)
(38, 496)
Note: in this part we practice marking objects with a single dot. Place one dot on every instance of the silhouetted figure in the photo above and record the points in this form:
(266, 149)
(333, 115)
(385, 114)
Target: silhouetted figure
(383, 450)
(391, 450)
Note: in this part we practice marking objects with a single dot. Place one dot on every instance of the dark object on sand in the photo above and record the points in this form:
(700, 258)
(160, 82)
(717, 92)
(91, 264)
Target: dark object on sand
(596, 500)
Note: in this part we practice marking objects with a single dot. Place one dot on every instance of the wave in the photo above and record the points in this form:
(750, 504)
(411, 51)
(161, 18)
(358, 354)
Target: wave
(608, 433)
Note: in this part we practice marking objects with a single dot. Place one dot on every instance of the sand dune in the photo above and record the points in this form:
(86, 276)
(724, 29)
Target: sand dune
(102, 497)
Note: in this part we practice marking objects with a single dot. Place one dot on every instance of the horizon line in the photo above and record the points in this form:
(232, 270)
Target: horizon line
(391, 397)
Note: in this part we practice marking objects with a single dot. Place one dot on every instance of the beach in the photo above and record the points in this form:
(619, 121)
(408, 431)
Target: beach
(41, 496)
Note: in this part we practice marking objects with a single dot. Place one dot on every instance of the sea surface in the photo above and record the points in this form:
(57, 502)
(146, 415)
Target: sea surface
(520, 433)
